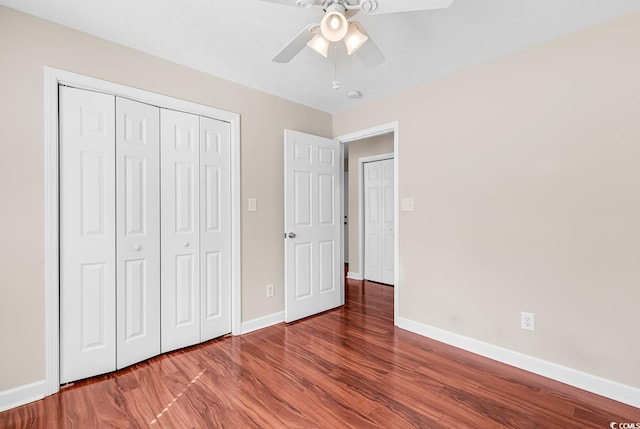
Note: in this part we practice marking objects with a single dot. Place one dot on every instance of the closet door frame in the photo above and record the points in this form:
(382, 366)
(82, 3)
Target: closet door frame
(53, 78)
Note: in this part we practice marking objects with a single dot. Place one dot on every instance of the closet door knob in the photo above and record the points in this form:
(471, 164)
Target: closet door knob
(137, 247)
(185, 244)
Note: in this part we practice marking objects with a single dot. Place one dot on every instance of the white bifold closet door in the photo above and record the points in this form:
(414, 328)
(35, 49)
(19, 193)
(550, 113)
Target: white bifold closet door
(215, 228)
(180, 155)
(196, 233)
(109, 233)
(378, 221)
(137, 231)
(145, 231)
(87, 234)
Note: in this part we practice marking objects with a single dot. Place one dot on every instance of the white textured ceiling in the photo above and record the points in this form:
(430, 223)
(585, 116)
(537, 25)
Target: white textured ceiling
(235, 39)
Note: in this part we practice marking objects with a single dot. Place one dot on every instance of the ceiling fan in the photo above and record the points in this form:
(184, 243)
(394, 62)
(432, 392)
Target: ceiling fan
(335, 26)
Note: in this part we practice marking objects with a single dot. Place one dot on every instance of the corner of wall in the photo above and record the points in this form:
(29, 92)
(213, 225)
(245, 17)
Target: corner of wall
(591, 383)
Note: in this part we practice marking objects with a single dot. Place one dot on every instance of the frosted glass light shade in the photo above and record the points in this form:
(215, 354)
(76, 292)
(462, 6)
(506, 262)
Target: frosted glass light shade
(334, 26)
(356, 37)
(319, 44)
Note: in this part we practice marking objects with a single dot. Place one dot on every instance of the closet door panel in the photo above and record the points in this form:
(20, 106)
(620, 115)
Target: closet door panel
(180, 219)
(138, 231)
(215, 230)
(87, 234)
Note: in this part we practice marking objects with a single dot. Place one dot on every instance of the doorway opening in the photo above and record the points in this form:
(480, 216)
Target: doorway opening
(359, 147)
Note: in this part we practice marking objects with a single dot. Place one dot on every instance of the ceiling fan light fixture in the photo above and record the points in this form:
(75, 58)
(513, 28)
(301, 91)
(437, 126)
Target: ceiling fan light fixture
(356, 37)
(319, 44)
(334, 24)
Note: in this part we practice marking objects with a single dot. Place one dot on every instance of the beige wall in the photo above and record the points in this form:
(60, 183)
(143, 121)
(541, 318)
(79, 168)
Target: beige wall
(27, 44)
(526, 182)
(360, 149)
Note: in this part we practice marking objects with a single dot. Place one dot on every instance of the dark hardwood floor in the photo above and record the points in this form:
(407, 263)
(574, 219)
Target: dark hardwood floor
(346, 368)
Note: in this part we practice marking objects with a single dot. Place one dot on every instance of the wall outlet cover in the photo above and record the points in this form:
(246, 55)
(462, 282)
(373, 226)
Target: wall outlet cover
(527, 321)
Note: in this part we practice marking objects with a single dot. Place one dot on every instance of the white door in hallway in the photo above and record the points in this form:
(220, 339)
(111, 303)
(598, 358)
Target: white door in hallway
(138, 231)
(314, 278)
(378, 221)
(345, 211)
(87, 234)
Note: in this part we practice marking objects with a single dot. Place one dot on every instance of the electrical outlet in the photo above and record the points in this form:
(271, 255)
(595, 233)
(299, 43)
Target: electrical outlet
(270, 290)
(527, 321)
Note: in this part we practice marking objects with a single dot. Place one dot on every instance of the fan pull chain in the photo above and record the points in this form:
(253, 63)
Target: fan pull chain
(336, 83)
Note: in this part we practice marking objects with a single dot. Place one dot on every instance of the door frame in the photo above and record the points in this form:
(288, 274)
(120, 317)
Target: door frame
(52, 79)
(361, 207)
(391, 127)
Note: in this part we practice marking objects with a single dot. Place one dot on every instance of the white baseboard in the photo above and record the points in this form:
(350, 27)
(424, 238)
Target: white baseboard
(261, 322)
(354, 276)
(22, 395)
(591, 383)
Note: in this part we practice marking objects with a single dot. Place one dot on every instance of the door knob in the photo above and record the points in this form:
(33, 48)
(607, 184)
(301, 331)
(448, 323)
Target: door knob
(137, 247)
(292, 235)
(185, 244)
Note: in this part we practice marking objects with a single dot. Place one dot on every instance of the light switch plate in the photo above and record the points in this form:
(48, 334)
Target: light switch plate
(253, 205)
(407, 204)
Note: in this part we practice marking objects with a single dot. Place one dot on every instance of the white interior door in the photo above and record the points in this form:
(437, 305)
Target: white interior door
(180, 218)
(215, 228)
(378, 225)
(87, 234)
(345, 211)
(313, 273)
(138, 231)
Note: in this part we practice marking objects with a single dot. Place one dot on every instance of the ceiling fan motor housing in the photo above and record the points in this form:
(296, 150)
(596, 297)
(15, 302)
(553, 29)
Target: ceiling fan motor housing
(336, 7)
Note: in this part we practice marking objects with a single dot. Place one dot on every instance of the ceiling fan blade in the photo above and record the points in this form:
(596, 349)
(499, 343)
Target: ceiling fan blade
(394, 6)
(369, 54)
(295, 45)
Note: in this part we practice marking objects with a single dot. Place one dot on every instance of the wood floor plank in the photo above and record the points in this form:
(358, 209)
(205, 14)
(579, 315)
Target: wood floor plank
(346, 368)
